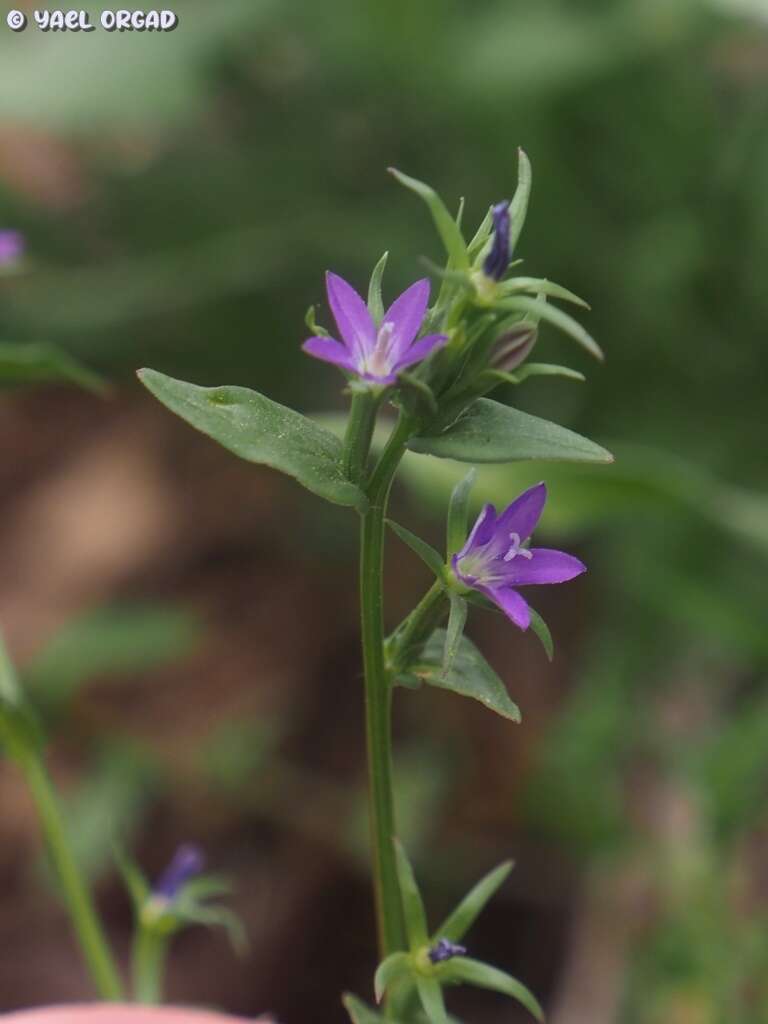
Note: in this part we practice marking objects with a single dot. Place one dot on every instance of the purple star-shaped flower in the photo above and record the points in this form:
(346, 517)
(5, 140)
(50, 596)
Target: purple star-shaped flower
(496, 262)
(494, 561)
(11, 246)
(375, 354)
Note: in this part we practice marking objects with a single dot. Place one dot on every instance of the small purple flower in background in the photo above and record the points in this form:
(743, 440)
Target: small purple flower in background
(444, 949)
(497, 260)
(12, 246)
(494, 561)
(187, 862)
(376, 355)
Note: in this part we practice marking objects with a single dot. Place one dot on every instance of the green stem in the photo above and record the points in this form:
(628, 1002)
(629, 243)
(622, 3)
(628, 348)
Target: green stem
(359, 433)
(149, 950)
(418, 626)
(378, 696)
(89, 931)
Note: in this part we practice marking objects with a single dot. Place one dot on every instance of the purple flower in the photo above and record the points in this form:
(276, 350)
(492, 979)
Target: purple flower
(187, 862)
(494, 561)
(444, 949)
(375, 354)
(497, 260)
(11, 246)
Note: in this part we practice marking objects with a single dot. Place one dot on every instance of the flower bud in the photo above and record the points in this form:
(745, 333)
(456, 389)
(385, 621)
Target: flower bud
(513, 346)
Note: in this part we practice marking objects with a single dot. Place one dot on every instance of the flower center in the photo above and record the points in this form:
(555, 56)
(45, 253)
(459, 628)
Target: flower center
(378, 362)
(515, 549)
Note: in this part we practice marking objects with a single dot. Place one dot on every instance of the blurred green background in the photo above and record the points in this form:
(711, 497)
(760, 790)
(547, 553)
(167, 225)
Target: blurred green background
(187, 623)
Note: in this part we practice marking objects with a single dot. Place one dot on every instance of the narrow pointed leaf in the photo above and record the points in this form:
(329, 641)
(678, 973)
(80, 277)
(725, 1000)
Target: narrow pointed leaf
(447, 228)
(375, 301)
(20, 734)
(135, 882)
(541, 629)
(555, 316)
(470, 675)
(458, 512)
(359, 1012)
(491, 432)
(458, 923)
(37, 363)
(473, 972)
(453, 635)
(413, 906)
(416, 392)
(431, 996)
(390, 970)
(547, 370)
(518, 208)
(541, 286)
(259, 430)
(425, 551)
(482, 234)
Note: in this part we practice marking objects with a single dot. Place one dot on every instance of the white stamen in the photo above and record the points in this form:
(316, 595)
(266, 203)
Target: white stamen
(378, 361)
(515, 549)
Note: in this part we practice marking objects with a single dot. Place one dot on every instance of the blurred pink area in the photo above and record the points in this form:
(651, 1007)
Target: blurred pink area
(109, 1014)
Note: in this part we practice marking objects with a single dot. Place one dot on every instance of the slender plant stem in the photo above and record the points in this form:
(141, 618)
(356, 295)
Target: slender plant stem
(378, 696)
(82, 912)
(359, 433)
(417, 627)
(149, 950)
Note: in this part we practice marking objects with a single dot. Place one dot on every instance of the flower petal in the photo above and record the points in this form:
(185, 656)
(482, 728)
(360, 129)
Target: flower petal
(420, 350)
(406, 314)
(545, 566)
(480, 534)
(351, 314)
(523, 514)
(330, 351)
(514, 606)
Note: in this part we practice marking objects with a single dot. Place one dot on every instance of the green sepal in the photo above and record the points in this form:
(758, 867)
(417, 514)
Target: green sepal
(375, 301)
(447, 228)
(261, 431)
(313, 325)
(482, 234)
(413, 906)
(460, 277)
(473, 972)
(40, 363)
(460, 920)
(431, 996)
(457, 618)
(491, 432)
(426, 552)
(360, 1013)
(518, 208)
(134, 879)
(540, 286)
(389, 971)
(541, 629)
(544, 311)
(470, 675)
(547, 370)
(458, 513)
(415, 395)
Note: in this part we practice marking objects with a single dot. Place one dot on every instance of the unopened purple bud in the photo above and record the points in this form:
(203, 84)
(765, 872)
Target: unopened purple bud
(11, 246)
(444, 949)
(513, 347)
(187, 862)
(497, 260)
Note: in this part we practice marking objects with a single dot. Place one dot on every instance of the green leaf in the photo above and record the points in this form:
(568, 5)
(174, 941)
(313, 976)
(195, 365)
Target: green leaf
(36, 362)
(491, 432)
(458, 513)
(426, 552)
(541, 629)
(19, 731)
(261, 431)
(457, 619)
(470, 675)
(431, 995)
(413, 907)
(375, 301)
(540, 286)
(542, 309)
(416, 394)
(473, 972)
(389, 971)
(547, 370)
(447, 228)
(359, 1013)
(518, 208)
(458, 923)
